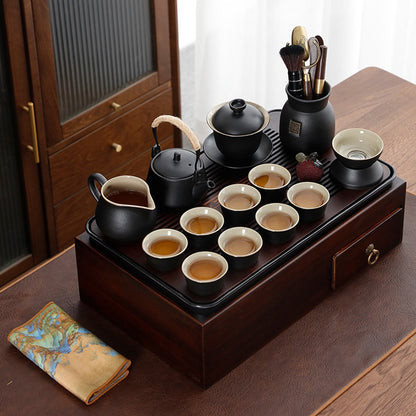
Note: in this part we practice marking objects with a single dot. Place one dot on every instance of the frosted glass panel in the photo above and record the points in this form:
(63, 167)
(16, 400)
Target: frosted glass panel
(14, 240)
(100, 47)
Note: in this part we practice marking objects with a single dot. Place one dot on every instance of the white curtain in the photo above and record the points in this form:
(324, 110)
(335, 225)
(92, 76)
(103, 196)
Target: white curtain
(238, 42)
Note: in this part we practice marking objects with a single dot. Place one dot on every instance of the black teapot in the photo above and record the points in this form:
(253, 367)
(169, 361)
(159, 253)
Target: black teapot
(177, 177)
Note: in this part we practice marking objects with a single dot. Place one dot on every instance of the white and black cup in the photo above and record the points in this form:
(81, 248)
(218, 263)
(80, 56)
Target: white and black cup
(277, 222)
(240, 246)
(239, 203)
(165, 248)
(204, 272)
(271, 180)
(202, 225)
(310, 199)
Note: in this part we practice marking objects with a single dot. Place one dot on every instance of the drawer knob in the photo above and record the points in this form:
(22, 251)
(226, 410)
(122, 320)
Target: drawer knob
(115, 106)
(372, 253)
(117, 147)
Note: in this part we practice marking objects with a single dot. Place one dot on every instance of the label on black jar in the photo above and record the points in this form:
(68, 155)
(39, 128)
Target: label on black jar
(295, 127)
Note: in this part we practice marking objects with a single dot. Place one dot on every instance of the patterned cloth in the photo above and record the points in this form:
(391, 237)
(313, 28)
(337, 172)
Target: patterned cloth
(69, 353)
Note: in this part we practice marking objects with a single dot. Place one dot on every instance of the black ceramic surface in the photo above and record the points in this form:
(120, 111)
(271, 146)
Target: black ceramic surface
(237, 148)
(356, 178)
(272, 195)
(126, 224)
(277, 237)
(311, 214)
(207, 288)
(238, 217)
(175, 163)
(165, 264)
(356, 163)
(261, 154)
(202, 241)
(237, 118)
(240, 263)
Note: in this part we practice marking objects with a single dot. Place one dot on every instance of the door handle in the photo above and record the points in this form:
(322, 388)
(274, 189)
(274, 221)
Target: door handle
(30, 108)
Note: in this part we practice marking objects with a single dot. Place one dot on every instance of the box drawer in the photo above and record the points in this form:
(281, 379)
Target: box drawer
(96, 153)
(367, 248)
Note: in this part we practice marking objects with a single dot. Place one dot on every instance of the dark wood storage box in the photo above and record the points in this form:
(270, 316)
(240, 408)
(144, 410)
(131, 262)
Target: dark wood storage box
(206, 347)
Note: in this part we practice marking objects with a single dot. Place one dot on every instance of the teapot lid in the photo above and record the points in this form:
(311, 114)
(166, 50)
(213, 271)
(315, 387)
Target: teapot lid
(238, 118)
(175, 163)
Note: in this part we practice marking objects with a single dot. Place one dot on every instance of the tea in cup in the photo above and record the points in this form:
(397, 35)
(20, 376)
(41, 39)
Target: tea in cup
(277, 222)
(164, 248)
(204, 272)
(201, 226)
(310, 200)
(238, 203)
(240, 246)
(271, 180)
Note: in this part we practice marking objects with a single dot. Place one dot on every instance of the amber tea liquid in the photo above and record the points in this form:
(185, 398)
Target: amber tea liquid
(240, 246)
(165, 247)
(239, 201)
(202, 225)
(308, 198)
(205, 269)
(277, 221)
(128, 198)
(270, 180)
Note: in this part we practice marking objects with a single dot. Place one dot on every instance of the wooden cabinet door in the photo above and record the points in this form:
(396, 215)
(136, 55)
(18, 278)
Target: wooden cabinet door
(97, 57)
(22, 223)
(106, 70)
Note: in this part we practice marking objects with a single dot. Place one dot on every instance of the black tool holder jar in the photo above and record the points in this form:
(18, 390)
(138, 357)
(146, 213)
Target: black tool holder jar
(307, 125)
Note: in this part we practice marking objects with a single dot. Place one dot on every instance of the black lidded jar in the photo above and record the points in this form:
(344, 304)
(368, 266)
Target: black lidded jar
(307, 125)
(238, 127)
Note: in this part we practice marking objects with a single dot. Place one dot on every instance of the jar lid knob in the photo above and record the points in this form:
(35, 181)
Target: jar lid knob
(237, 105)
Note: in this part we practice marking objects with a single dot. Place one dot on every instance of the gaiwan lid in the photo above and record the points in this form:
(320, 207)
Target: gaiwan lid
(238, 118)
(175, 163)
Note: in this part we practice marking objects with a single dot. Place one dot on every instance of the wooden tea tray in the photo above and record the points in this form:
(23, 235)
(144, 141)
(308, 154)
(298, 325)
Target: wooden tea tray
(342, 205)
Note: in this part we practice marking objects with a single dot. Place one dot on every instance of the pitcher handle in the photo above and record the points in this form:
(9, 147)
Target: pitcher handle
(181, 125)
(93, 187)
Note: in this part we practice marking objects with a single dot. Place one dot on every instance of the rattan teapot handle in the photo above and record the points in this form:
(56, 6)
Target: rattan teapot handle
(181, 125)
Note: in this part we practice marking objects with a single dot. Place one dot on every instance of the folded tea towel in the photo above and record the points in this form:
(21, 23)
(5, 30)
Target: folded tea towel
(69, 353)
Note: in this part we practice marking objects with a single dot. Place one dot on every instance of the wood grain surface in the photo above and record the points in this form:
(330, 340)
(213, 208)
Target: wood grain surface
(386, 389)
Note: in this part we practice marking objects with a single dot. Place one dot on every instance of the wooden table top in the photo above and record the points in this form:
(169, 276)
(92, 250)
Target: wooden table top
(301, 369)
(385, 388)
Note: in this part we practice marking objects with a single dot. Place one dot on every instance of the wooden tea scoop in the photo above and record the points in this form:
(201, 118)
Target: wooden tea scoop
(320, 73)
